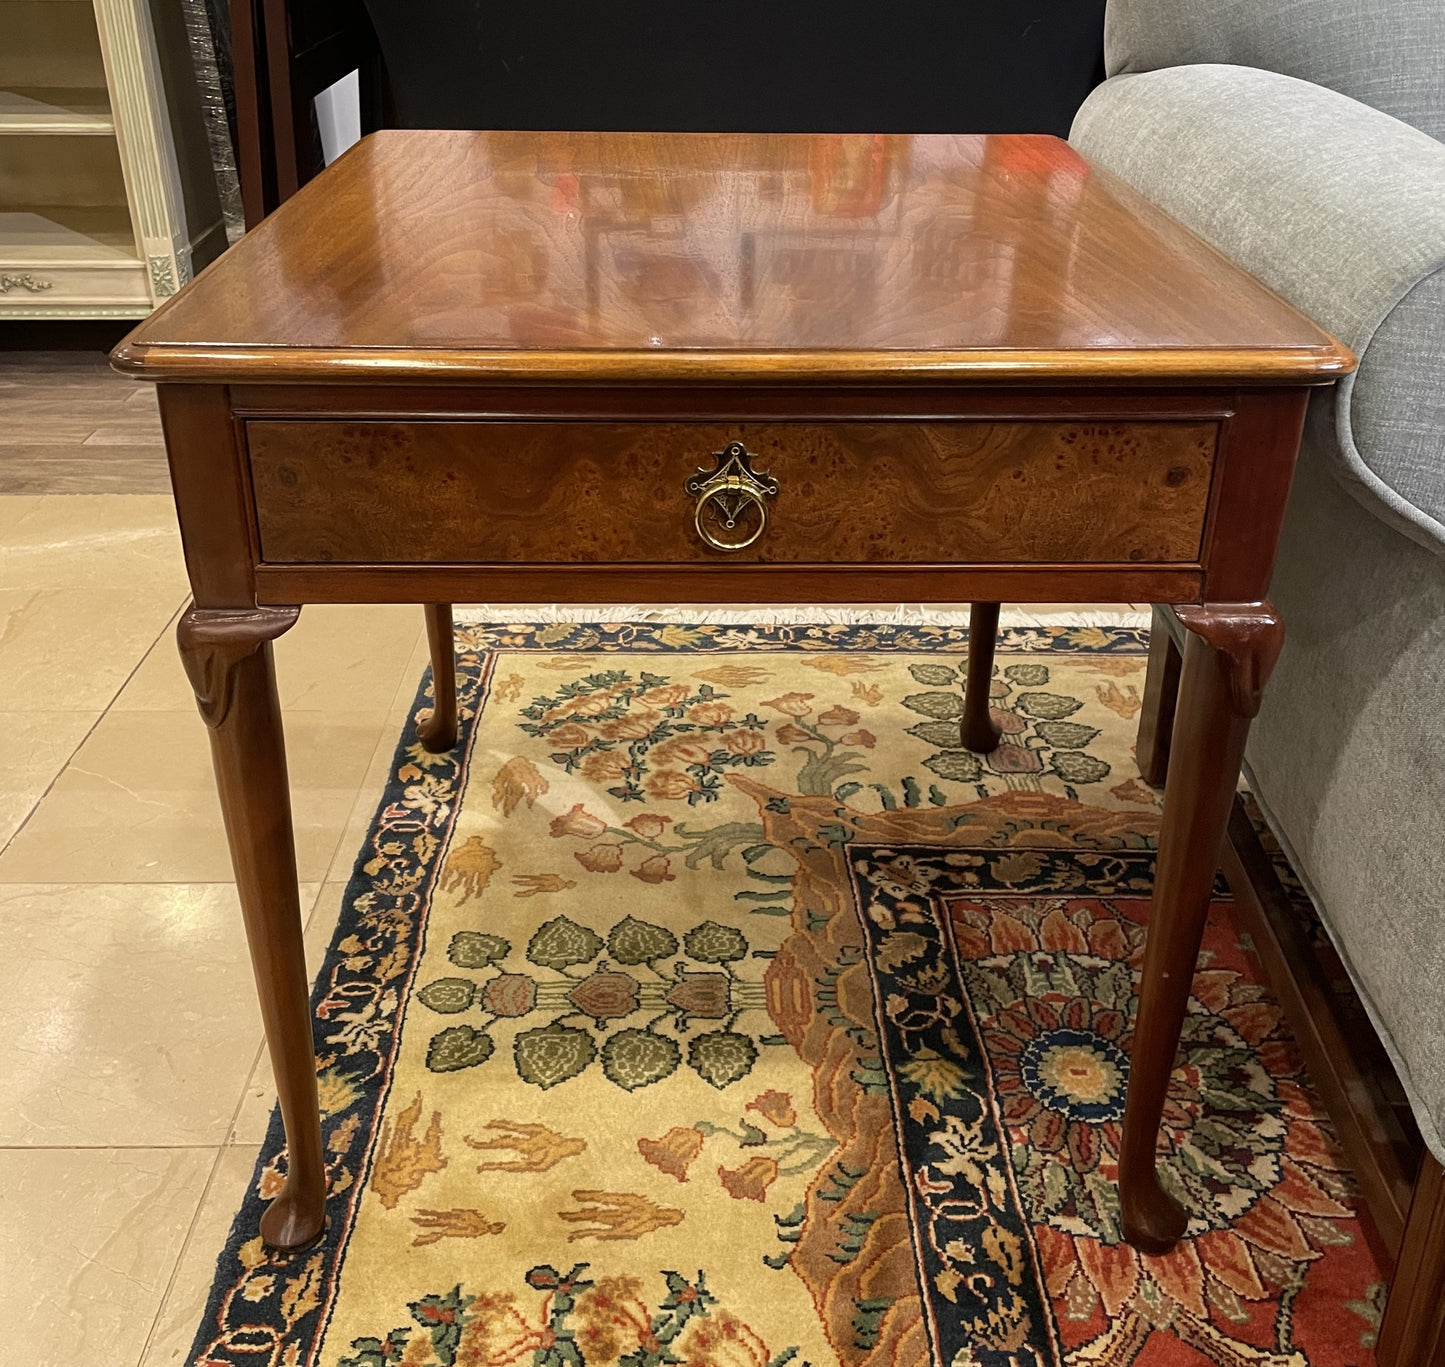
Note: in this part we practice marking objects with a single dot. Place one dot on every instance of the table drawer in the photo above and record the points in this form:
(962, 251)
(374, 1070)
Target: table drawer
(847, 492)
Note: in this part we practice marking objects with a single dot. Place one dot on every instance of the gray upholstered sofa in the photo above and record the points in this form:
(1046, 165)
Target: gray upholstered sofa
(1303, 138)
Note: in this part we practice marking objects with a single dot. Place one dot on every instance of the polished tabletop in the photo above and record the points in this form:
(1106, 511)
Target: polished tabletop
(656, 257)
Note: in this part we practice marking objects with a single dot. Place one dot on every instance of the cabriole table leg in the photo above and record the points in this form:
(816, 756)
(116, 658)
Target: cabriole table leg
(227, 654)
(439, 731)
(1229, 654)
(980, 732)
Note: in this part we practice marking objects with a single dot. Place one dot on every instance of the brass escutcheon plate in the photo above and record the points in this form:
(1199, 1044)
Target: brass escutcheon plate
(732, 499)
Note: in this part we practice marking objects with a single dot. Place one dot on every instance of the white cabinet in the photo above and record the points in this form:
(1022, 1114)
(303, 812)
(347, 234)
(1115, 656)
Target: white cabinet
(98, 219)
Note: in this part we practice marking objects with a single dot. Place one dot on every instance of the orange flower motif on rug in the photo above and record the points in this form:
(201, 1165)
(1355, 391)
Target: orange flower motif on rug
(674, 1152)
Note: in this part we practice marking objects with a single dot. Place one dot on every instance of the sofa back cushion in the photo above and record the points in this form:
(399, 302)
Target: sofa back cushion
(1385, 53)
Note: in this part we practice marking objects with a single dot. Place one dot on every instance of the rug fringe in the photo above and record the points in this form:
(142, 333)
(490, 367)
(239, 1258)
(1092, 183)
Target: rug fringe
(732, 614)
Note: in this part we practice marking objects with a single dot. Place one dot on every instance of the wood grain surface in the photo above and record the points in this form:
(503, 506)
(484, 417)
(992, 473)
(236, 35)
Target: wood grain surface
(663, 257)
(70, 425)
(599, 493)
(1412, 1333)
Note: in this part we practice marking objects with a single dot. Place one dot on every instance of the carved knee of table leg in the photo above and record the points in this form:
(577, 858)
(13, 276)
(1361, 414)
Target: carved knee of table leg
(1161, 692)
(227, 654)
(1228, 656)
(979, 730)
(1249, 636)
(439, 731)
(215, 642)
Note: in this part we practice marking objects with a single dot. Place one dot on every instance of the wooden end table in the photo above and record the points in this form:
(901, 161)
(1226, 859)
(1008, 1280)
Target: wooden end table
(772, 369)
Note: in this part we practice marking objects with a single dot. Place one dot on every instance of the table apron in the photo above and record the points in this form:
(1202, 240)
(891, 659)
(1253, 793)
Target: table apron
(345, 494)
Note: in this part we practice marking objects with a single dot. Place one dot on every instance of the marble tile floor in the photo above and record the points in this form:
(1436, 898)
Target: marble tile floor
(134, 1092)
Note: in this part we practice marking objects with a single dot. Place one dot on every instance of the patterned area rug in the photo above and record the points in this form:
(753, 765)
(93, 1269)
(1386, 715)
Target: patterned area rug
(711, 1006)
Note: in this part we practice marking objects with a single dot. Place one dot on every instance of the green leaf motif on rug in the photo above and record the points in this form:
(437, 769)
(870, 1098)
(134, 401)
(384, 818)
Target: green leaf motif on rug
(820, 773)
(634, 942)
(598, 733)
(553, 1053)
(631, 1056)
(940, 706)
(374, 1352)
(869, 1320)
(1027, 675)
(1035, 738)
(942, 733)
(1074, 767)
(721, 1057)
(448, 995)
(960, 765)
(934, 676)
(638, 1058)
(561, 942)
(1065, 735)
(460, 1046)
(1049, 706)
(712, 943)
(443, 1317)
(473, 949)
(715, 843)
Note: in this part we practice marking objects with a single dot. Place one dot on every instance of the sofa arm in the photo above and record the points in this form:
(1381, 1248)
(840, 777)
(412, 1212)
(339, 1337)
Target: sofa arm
(1338, 208)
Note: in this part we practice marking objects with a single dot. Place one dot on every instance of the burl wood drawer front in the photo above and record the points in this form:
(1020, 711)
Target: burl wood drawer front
(848, 493)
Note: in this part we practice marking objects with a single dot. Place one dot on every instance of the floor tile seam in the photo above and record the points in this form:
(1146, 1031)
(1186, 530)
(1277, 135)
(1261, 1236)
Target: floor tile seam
(385, 743)
(259, 1057)
(90, 731)
(185, 1243)
(309, 912)
(104, 1148)
(226, 1146)
(119, 882)
(399, 698)
(232, 1142)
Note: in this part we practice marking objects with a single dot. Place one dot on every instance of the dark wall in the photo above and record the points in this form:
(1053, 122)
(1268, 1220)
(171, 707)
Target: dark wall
(909, 66)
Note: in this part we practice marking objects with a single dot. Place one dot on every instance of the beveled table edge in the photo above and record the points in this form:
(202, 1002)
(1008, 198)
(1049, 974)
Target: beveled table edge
(220, 364)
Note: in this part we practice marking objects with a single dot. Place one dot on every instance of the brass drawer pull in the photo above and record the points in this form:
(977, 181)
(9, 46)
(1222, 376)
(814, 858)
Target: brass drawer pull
(732, 499)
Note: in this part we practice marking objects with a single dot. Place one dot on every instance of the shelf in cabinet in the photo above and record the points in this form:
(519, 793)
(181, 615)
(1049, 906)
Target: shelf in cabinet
(57, 235)
(56, 110)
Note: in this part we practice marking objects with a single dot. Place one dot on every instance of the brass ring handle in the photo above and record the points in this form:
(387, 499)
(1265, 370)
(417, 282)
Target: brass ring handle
(732, 500)
(730, 519)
